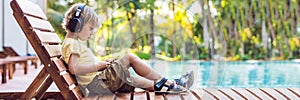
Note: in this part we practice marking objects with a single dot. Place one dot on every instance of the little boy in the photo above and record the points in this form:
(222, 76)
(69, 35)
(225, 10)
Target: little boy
(97, 77)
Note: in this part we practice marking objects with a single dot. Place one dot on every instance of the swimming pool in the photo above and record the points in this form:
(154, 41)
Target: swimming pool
(234, 74)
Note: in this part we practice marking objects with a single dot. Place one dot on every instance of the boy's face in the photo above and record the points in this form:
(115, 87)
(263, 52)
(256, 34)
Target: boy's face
(87, 31)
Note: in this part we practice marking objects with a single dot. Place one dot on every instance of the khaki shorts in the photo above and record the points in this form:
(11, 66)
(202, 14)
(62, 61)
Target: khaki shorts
(115, 78)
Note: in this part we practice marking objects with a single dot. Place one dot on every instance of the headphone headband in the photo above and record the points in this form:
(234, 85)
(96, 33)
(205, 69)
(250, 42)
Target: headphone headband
(78, 10)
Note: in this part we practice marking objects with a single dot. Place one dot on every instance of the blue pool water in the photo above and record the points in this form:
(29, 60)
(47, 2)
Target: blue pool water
(234, 74)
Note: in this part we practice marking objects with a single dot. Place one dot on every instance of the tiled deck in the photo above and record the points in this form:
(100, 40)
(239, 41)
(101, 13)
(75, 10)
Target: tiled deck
(20, 82)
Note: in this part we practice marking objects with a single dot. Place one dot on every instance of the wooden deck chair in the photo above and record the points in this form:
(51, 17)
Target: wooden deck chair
(46, 44)
(11, 52)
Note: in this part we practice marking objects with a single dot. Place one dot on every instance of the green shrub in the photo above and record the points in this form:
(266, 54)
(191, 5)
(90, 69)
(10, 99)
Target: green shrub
(142, 55)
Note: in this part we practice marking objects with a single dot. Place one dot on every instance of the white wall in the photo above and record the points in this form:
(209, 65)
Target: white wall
(1, 22)
(13, 35)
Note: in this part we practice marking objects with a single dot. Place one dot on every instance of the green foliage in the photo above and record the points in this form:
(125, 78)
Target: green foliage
(236, 28)
(245, 57)
(56, 19)
(203, 52)
(142, 55)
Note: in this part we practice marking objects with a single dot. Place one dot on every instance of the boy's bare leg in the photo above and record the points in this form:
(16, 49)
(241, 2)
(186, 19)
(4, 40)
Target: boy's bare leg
(144, 83)
(143, 69)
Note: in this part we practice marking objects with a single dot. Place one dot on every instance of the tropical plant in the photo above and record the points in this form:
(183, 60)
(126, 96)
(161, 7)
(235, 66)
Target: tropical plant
(235, 29)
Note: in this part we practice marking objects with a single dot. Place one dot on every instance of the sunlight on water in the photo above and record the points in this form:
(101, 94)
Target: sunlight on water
(234, 74)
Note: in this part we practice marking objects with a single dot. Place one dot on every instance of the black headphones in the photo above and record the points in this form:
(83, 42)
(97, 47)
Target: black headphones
(76, 23)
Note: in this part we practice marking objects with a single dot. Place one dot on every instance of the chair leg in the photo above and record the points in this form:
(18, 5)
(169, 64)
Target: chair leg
(25, 67)
(3, 73)
(35, 63)
(23, 63)
(43, 88)
(11, 70)
(39, 85)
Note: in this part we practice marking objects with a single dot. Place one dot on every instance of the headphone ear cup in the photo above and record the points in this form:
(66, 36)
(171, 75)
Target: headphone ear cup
(79, 25)
(75, 25)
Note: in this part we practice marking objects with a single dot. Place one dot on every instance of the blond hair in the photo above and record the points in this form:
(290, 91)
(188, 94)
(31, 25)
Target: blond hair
(87, 15)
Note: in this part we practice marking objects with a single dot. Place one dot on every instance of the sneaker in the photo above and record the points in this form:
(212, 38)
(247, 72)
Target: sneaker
(161, 88)
(161, 84)
(186, 80)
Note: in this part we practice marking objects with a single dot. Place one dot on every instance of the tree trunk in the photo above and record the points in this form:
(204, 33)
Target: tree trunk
(279, 27)
(206, 36)
(107, 50)
(212, 28)
(151, 37)
(174, 32)
(130, 20)
(269, 19)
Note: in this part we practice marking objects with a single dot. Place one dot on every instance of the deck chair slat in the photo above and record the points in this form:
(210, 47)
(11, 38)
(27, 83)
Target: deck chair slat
(62, 83)
(173, 97)
(123, 96)
(216, 93)
(10, 51)
(28, 8)
(231, 94)
(53, 50)
(259, 93)
(140, 96)
(273, 93)
(296, 91)
(15, 96)
(156, 97)
(69, 80)
(39, 24)
(188, 96)
(244, 93)
(68, 77)
(105, 97)
(101, 97)
(60, 64)
(287, 93)
(77, 92)
(47, 37)
(202, 95)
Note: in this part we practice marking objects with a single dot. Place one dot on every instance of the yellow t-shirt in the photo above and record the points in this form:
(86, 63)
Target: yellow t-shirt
(86, 56)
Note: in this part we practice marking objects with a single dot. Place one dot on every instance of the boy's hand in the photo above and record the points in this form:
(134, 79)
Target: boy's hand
(105, 64)
(111, 60)
(108, 64)
(102, 65)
